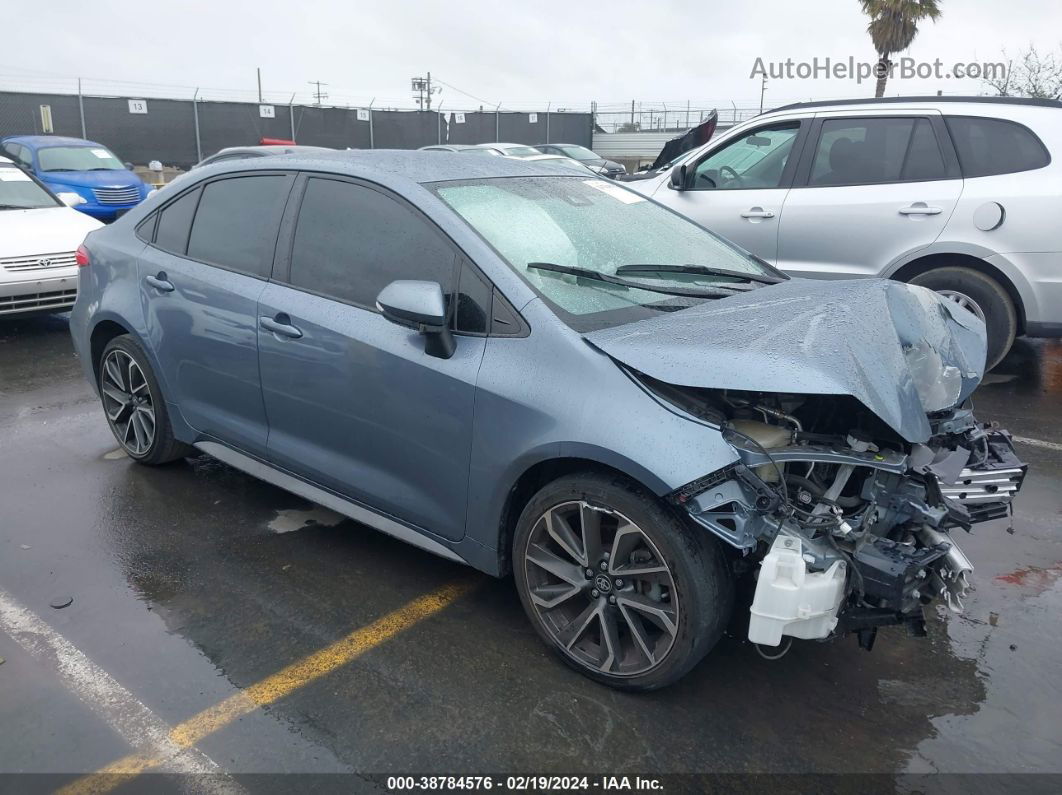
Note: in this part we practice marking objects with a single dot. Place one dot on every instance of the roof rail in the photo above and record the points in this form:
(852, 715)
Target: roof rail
(1043, 103)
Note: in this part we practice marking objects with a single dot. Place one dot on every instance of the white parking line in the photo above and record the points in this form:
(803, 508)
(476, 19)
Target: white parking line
(1038, 443)
(120, 709)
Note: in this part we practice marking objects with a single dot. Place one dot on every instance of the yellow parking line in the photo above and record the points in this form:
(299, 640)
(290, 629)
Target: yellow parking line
(273, 688)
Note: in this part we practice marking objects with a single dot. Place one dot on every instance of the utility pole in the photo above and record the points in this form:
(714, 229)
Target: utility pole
(422, 87)
(318, 95)
(763, 88)
(259, 70)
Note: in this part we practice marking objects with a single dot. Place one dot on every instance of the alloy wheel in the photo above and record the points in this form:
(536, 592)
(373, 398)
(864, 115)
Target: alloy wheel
(127, 402)
(963, 300)
(601, 588)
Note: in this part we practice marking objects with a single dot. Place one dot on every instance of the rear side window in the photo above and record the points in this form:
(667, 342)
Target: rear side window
(995, 146)
(353, 241)
(236, 223)
(873, 150)
(175, 220)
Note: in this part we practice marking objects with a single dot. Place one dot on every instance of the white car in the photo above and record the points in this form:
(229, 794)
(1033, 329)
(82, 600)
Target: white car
(39, 237)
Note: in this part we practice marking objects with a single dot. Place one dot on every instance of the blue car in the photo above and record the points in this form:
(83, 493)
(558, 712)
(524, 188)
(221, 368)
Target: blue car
(531, 370)
(74, 169)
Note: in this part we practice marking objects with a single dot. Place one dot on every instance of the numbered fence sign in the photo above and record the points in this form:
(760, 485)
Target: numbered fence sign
(267, 111)
(363, 114)
(459, 118)
(137, 106)
(532, 118)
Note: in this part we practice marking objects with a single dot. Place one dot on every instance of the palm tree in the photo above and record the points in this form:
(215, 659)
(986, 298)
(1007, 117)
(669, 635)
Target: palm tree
(893, 26)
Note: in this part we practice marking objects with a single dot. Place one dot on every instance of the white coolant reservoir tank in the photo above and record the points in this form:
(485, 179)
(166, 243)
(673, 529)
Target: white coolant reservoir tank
(790, 600)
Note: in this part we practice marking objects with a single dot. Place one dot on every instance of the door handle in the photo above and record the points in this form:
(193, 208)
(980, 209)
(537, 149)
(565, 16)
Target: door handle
(757, 212)
(920, 208)
(160, 282)
(281, 324)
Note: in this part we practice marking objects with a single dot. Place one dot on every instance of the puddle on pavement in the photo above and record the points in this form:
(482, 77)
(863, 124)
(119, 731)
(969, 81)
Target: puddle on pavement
(291, 519)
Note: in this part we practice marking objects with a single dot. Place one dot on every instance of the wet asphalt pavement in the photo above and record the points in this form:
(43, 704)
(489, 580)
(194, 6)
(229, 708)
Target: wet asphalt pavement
(193, 581)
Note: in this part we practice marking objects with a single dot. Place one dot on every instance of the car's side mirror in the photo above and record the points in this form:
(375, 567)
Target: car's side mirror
(678, 177)
(128, 166)
(421, 306)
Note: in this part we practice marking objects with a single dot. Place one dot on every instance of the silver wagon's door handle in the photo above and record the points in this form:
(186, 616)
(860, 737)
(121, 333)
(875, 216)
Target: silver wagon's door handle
(920, 208)
(281, 324)
(757, 212)
(160, 282)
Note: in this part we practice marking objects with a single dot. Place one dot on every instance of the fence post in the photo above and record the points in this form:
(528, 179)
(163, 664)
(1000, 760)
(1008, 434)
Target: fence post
(548, 105)
(81, 109)
(372, 142)
(438, 119)
(195, 118)
(497, 122)
(291, 115)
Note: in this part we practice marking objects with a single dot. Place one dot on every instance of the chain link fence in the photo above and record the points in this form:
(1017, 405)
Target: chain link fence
(180, 132)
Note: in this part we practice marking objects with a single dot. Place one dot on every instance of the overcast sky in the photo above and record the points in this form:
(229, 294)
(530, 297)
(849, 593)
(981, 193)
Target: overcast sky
(520, 54)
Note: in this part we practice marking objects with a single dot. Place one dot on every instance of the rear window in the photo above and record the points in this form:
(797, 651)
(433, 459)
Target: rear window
(236, 223)
(995, 146)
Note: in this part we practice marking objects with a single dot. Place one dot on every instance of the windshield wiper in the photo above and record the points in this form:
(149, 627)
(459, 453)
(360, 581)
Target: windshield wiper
(701, 270)
(102, 168)
(586, 273)
(16, 207)
(53, 170)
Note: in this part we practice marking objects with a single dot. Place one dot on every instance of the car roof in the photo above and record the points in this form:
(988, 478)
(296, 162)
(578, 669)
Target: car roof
(278, 148)
(398, 167)
(930, 100)
(49, 140)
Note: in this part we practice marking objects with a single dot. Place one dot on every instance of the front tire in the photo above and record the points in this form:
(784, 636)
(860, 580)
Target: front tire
(133, 403)
(983, 296)
(616, 585)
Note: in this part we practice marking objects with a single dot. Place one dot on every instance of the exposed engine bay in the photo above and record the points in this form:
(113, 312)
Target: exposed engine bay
(845, 525)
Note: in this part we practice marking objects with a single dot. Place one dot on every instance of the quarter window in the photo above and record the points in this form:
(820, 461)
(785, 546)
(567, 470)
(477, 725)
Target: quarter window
(995, 146)
(352, 241)
(175, 220)
(756, 160)
(237, 221)
(868, 151)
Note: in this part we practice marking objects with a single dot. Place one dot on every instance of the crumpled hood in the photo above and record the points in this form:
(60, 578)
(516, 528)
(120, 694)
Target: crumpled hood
(901, 350)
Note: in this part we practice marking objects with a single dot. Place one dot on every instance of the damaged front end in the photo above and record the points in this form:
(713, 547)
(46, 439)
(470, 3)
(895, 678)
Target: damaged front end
(850, 524)
(857, 454)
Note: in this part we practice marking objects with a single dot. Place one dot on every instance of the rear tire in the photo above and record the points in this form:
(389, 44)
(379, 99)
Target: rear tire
(134, 405)
(616, 584)
(995, 304)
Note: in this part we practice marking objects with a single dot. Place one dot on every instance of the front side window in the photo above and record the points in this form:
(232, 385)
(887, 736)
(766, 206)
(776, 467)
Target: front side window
(236, 222)
(78, 158)
(873, 150)
(597, 226)
(352, 241)
(751, 161)
(995, 146)
(18, 191)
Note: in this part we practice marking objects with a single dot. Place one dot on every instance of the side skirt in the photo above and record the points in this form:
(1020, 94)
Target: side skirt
(334, 502)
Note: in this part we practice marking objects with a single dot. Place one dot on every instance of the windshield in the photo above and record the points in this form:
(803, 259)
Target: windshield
(78, 158)
(598, 226)
(19, 192)
(578, 152)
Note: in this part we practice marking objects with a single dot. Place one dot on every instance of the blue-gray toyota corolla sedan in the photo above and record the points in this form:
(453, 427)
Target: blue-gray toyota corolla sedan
(530, 370)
